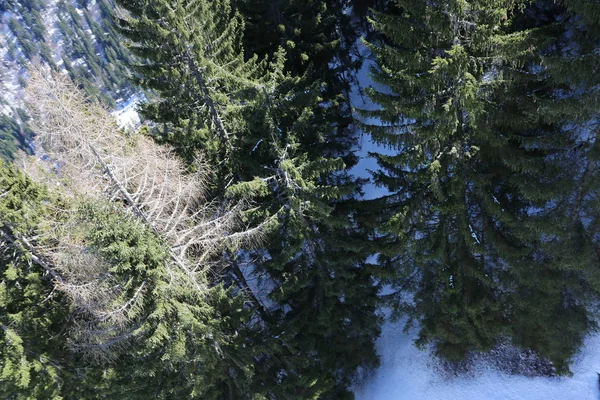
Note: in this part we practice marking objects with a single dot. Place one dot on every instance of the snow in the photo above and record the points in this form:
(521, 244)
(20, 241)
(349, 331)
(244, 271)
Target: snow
(360, 101)
(258, 282)
(407, 373)
(127, 116)
(474, 235)
(256, 146)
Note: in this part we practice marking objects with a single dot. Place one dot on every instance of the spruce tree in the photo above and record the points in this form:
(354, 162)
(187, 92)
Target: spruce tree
(93, 306)
(326, 297)
(177, 342)
(131, 319)
(479, 110)
(557, 103)
(190, 54)
(31, 313)
(270, 138)
(9, 132)
(319, 39)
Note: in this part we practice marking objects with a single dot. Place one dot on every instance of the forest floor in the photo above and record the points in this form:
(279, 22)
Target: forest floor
(407, 373)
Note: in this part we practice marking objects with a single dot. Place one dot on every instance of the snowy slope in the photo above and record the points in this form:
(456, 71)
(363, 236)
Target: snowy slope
(13, 74)
(407, 373)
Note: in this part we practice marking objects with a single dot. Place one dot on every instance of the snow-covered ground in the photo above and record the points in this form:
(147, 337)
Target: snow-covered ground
(126, 114)
(12, 74)
(407, 373)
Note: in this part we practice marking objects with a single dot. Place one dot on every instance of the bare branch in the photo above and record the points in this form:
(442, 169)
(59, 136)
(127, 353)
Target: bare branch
(89, 157)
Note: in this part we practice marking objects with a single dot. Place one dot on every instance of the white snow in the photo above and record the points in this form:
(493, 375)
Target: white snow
(258, 282)
(474, 235)
(127, 116)
(361, 101)
(407, 373)
(256, 146)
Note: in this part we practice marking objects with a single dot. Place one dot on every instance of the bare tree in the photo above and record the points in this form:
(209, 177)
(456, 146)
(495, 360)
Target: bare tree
(99, 160)
(89, 157)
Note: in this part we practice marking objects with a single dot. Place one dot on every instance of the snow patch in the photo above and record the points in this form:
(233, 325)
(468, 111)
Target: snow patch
(360, 101)
(127, 117)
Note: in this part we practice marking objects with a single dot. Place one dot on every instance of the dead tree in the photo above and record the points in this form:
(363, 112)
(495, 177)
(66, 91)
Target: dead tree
(89, 157)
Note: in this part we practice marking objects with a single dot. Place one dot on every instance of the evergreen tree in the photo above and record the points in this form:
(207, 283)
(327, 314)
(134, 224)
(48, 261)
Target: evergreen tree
(480, 111)
(315, 259)
(15, 134)
(128, 318)
(187, 342)
(558, 103)
(312, 33)
(201, 74)
(24, 38)
(9, 145)
(270, 138)
(319, 40)
(31, 313)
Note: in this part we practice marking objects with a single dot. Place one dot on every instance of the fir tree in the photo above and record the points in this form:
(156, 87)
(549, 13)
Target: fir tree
(271, 139)
(31, 313)
(191, 55)
(9, 131)
(129, 317)
(557, 103)
(54, 346)
(319, 41)
(478, 112)
(326, 298)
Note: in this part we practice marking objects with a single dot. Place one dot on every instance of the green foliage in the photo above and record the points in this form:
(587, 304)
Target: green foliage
(15, 134)
(313, 34)
(270, 139)
(319, 42)
(482, 113)
(206, 56)
(185, 340)
(176, 341)
(491, 221)
(100, 58)
(29, 30)
(9, 144)
(32, 314)
(24, 38)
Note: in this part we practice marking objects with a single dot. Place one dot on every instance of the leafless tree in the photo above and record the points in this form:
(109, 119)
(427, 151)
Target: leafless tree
(88, 157)
(99, 160)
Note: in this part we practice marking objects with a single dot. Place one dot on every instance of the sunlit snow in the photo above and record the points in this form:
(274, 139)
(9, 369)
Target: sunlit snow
(126, 115)
(407, 373)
